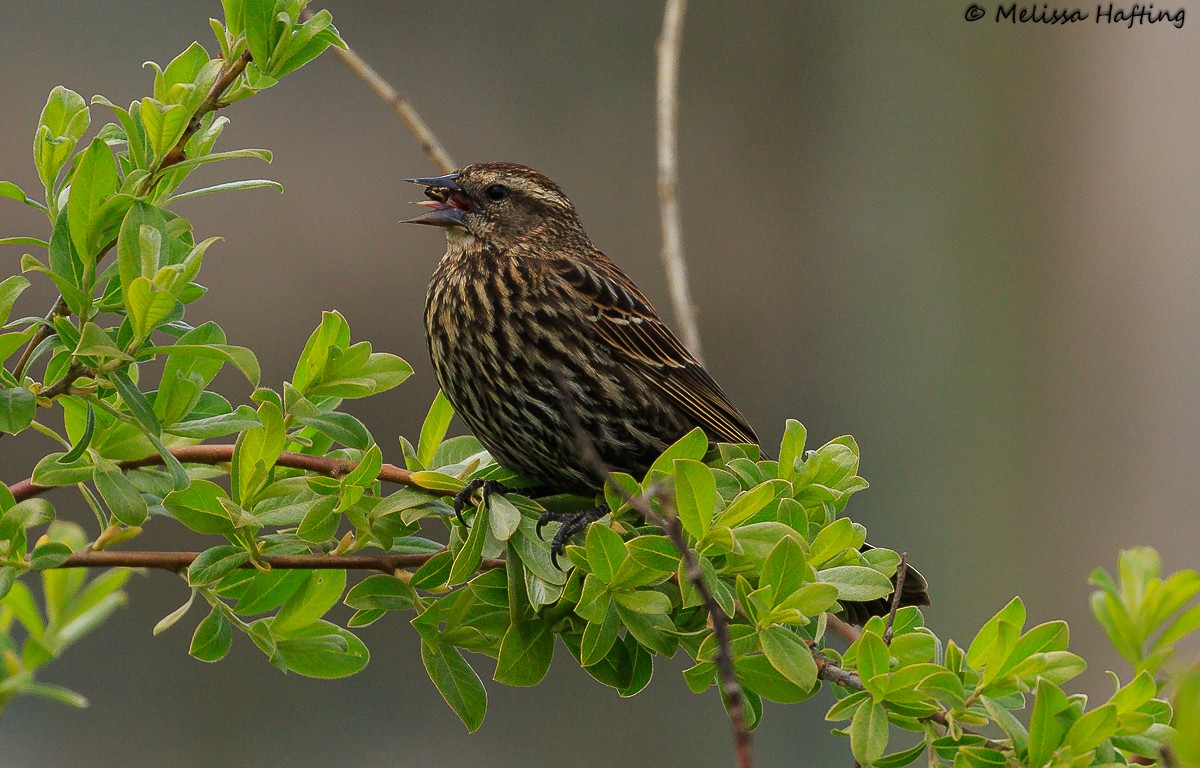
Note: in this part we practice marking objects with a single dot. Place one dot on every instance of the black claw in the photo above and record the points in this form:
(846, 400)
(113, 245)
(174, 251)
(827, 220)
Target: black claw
(572, 523)
(463, 497)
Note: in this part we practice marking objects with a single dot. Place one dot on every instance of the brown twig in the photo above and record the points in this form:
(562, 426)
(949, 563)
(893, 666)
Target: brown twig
(730, 687)
(847, 632)
(178, 561)
(222, 453)
(901, 572)
(231, 72)
(420, 130)
(669, 44)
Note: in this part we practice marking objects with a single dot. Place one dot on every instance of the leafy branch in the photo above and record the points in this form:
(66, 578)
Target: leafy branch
(736, 561)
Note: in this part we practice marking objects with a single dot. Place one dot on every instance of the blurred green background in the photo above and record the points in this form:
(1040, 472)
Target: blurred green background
(974, 246)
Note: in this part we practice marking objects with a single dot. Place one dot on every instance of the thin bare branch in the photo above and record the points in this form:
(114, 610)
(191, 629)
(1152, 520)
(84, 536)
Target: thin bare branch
(222, 453)
(178, 561)
(669, 45)
(730, 687)
(847, 632)
(420, 130)
(901, 572)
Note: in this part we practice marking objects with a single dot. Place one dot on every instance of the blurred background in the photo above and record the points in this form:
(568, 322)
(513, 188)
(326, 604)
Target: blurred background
(973, 246)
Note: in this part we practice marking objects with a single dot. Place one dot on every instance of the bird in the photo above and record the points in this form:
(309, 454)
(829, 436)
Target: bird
(535, 335)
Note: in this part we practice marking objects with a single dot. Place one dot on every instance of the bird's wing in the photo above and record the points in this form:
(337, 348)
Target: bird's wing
(626, 320)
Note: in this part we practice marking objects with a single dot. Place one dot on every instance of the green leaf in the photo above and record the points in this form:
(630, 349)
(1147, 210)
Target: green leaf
(220, 425)
(644, 601)
(323, 650)
(147, 306)
(51, 471)
(856, 583)
(433, 430)
(654, 552)
(791, 449)
(255, 454)
(759, 676)
(139, 244)
(49, 555)
(241, 357)
(695, 495)
(124, 501)
(94, 341)
(693, 445)
(320, 521)
(26, 514)
(63, 122)
(833, 539)
(164, 124)
(1092, 729)
(320, 592)
(503, 517)
(82, 443)
(605, 552)
(229, 186)
(13, 192)
(811, 599)
(10, 288)
(258, 18)
(380, 592)
(94, 180)
(456, 681)
(436, 481)
(652, 630)
(749, 503)
(199, 507)
(212, 638)
(598, 638)
(869, 733)
(788, 654)
(213, 564)
(168, 621)
(902, 758)
(1046, 730)
(525, 653)
(873, 658)
(18, 407)
(466, 562)
(784, 569)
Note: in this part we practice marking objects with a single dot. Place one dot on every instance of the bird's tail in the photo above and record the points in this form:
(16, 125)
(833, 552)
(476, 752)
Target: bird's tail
(914, 592)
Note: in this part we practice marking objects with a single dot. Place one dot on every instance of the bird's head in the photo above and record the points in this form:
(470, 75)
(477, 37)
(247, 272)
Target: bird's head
(504, 205)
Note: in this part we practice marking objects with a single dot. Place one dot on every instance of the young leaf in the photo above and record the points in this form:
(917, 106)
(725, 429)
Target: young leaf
(525, 653)
(456, 681)
(320, 592)
(212, 638)
(788, 654)
(18, 407)
(94, 180)
(695, 496)
(433, 430)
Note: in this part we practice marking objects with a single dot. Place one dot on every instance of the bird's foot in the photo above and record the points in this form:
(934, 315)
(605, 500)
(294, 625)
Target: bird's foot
(572, 523)
(463, 497)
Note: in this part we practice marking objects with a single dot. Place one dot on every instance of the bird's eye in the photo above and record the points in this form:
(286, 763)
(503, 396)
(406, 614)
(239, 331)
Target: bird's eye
(496, 192)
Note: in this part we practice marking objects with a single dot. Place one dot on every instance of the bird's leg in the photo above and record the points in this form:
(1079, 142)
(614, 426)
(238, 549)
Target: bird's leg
(463, 497)
(572, 523)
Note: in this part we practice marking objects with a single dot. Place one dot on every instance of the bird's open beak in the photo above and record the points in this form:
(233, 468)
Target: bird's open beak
(447, 200)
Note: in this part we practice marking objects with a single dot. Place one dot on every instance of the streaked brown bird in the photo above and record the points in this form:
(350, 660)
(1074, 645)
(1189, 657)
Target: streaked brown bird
(525, 317)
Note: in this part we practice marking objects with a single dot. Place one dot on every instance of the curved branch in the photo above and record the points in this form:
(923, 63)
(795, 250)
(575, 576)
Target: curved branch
(222, 453)
(420, 130)
(178, 561)
(668, 175)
